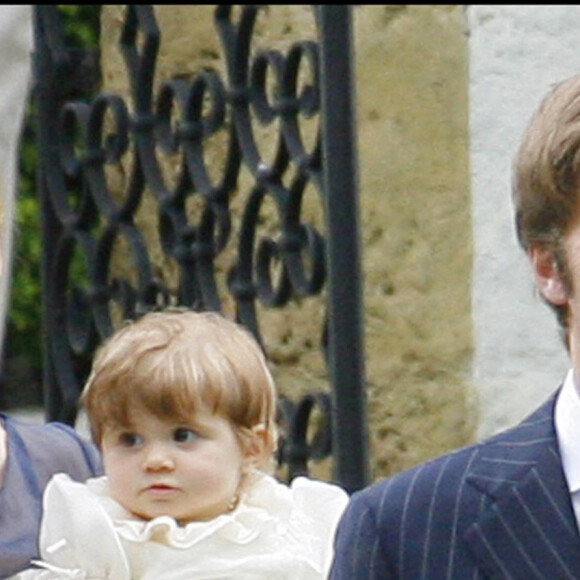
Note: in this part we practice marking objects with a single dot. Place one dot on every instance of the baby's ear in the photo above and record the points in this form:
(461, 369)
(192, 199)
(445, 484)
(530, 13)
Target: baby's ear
(256, 444)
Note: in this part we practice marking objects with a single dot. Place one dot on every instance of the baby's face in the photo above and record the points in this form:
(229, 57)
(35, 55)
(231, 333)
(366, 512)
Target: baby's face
(160, 467)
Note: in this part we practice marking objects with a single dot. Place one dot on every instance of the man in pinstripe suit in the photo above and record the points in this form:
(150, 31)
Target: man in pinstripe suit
(508, 507)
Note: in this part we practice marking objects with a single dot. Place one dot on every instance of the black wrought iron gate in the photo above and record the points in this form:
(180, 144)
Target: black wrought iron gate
(83, 132)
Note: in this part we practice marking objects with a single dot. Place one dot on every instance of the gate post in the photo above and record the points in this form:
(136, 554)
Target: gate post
(340, 174)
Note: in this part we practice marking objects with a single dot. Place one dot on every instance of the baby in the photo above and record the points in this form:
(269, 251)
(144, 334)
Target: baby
(182, 406)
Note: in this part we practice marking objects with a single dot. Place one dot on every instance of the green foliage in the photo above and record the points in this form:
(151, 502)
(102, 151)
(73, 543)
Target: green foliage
(24, 314)
(81, 24)
(24, 327)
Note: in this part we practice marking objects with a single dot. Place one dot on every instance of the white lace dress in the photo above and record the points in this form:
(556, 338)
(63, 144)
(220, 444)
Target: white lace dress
(277, 532)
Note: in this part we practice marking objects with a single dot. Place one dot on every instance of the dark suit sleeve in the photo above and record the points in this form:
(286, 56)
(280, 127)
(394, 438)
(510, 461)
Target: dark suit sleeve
(358, 551)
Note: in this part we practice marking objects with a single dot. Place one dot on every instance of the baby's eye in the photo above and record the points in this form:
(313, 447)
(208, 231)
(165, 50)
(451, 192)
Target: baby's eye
(185, 435)
(130, 439)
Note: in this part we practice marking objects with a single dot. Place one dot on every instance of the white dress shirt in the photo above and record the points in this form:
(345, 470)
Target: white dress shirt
(567, 422)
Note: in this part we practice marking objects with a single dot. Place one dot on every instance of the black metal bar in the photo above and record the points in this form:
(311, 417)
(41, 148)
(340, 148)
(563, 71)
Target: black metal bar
(45, 90)
(60, 74)
(340, 174)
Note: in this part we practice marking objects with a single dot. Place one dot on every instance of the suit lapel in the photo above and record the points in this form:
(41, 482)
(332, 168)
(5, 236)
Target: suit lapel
(527, 527)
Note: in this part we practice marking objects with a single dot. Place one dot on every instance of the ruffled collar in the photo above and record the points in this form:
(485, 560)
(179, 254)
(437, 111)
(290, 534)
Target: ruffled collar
(265, 508)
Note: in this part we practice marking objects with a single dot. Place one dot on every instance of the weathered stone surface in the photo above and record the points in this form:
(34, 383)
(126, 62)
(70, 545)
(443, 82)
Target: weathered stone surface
(412, 107)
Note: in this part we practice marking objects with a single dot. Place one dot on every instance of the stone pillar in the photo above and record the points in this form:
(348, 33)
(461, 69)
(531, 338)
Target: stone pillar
(412, 66)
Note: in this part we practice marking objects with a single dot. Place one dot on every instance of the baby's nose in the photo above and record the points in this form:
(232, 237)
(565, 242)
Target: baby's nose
(157, 459)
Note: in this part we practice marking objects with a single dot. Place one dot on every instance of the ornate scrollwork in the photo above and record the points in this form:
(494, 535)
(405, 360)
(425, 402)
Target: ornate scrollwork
(185, 147)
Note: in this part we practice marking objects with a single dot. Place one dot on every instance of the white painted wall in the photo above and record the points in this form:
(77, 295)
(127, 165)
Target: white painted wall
(516, 54)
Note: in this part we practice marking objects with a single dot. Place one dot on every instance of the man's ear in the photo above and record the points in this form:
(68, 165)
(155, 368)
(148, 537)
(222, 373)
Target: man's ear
(547, 275)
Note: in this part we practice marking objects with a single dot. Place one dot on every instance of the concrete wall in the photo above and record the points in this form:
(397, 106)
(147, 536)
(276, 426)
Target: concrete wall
(516, 54)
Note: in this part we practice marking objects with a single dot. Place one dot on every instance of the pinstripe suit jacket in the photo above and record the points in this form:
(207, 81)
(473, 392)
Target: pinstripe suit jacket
(497, 509)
